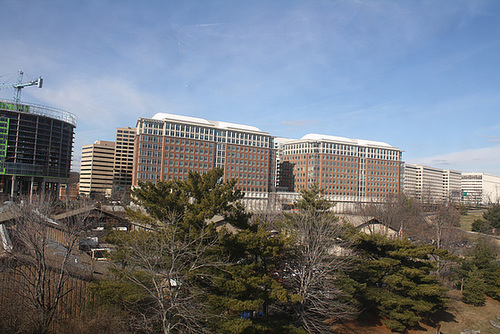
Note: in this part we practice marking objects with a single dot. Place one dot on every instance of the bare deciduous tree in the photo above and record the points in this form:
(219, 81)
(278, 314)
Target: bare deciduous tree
(443, 222)
(320, 258)
(400, 213)
(42, 261)
(169, 266)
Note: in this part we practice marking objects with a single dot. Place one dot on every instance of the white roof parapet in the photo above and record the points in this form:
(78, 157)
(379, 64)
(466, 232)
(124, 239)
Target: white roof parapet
(227, 125)
(363, 142)
(283, 140)
(315, 136)
(360, 142)
(163, 116)
(221, 125)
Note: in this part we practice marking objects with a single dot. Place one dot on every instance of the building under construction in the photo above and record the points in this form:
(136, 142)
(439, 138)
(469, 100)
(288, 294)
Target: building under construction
(36, 145)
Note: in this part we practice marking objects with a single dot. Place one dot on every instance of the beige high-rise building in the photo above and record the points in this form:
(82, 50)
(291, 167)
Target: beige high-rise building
(96, 174)
(452, 184)
(124, 159)
(430, 184)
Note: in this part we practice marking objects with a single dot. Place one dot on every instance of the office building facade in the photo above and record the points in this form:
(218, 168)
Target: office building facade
(341, 166)
(124, 159)
(168, 146)
(96, 173)
(452, 185)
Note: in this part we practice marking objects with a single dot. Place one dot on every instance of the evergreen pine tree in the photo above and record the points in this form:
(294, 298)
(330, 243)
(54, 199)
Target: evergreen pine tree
(474, 288)
(396, 280)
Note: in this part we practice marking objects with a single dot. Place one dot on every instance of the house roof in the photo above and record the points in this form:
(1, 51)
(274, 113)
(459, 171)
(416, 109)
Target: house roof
(13, 249)
(360, 221)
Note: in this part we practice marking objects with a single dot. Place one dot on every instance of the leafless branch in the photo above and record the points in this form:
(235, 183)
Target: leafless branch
(321, 257)
(165, 263)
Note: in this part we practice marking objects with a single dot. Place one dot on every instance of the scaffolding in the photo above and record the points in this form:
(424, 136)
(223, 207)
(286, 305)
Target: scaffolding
(36, 144)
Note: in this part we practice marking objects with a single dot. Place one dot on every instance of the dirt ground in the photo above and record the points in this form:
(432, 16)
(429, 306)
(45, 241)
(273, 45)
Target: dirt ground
(470, 317)
(457, 318)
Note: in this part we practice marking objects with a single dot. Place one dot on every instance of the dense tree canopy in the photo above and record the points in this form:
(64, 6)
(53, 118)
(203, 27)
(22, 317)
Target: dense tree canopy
(186, 274)
(493, 216)
(192, 276)
(248, 288)
(196, 199)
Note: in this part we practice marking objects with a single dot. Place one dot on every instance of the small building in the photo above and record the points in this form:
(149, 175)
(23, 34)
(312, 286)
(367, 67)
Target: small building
(69, 191)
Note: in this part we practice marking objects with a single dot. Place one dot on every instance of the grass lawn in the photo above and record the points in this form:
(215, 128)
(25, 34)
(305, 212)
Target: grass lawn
(464, 316)
(467, 220)
(457, 318)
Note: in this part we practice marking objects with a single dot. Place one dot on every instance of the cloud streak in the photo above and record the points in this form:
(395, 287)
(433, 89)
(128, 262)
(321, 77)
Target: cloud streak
(426, 80)
(486, 159)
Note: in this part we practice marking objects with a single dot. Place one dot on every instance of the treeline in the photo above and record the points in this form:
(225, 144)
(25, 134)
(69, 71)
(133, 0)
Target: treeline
(301, 272)
(202, 264)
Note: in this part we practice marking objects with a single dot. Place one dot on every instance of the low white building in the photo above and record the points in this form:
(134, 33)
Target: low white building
(480, 188)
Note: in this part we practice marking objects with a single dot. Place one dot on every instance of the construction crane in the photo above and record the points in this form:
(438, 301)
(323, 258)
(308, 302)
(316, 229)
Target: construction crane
(20, 85)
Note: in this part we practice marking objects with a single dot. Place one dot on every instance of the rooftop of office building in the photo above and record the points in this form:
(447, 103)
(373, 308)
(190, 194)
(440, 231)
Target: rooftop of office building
(201, 121)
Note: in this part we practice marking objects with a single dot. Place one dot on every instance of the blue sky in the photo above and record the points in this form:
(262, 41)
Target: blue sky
(423, 76)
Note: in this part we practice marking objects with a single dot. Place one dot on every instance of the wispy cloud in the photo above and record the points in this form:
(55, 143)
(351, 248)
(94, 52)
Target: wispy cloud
(486, 159)
(296, 67)
(300, 123)
(494, 139)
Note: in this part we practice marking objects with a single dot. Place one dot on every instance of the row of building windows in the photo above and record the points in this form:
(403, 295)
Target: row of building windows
(233, 175)
(181, 156)
(349, 151)
(204, 133)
